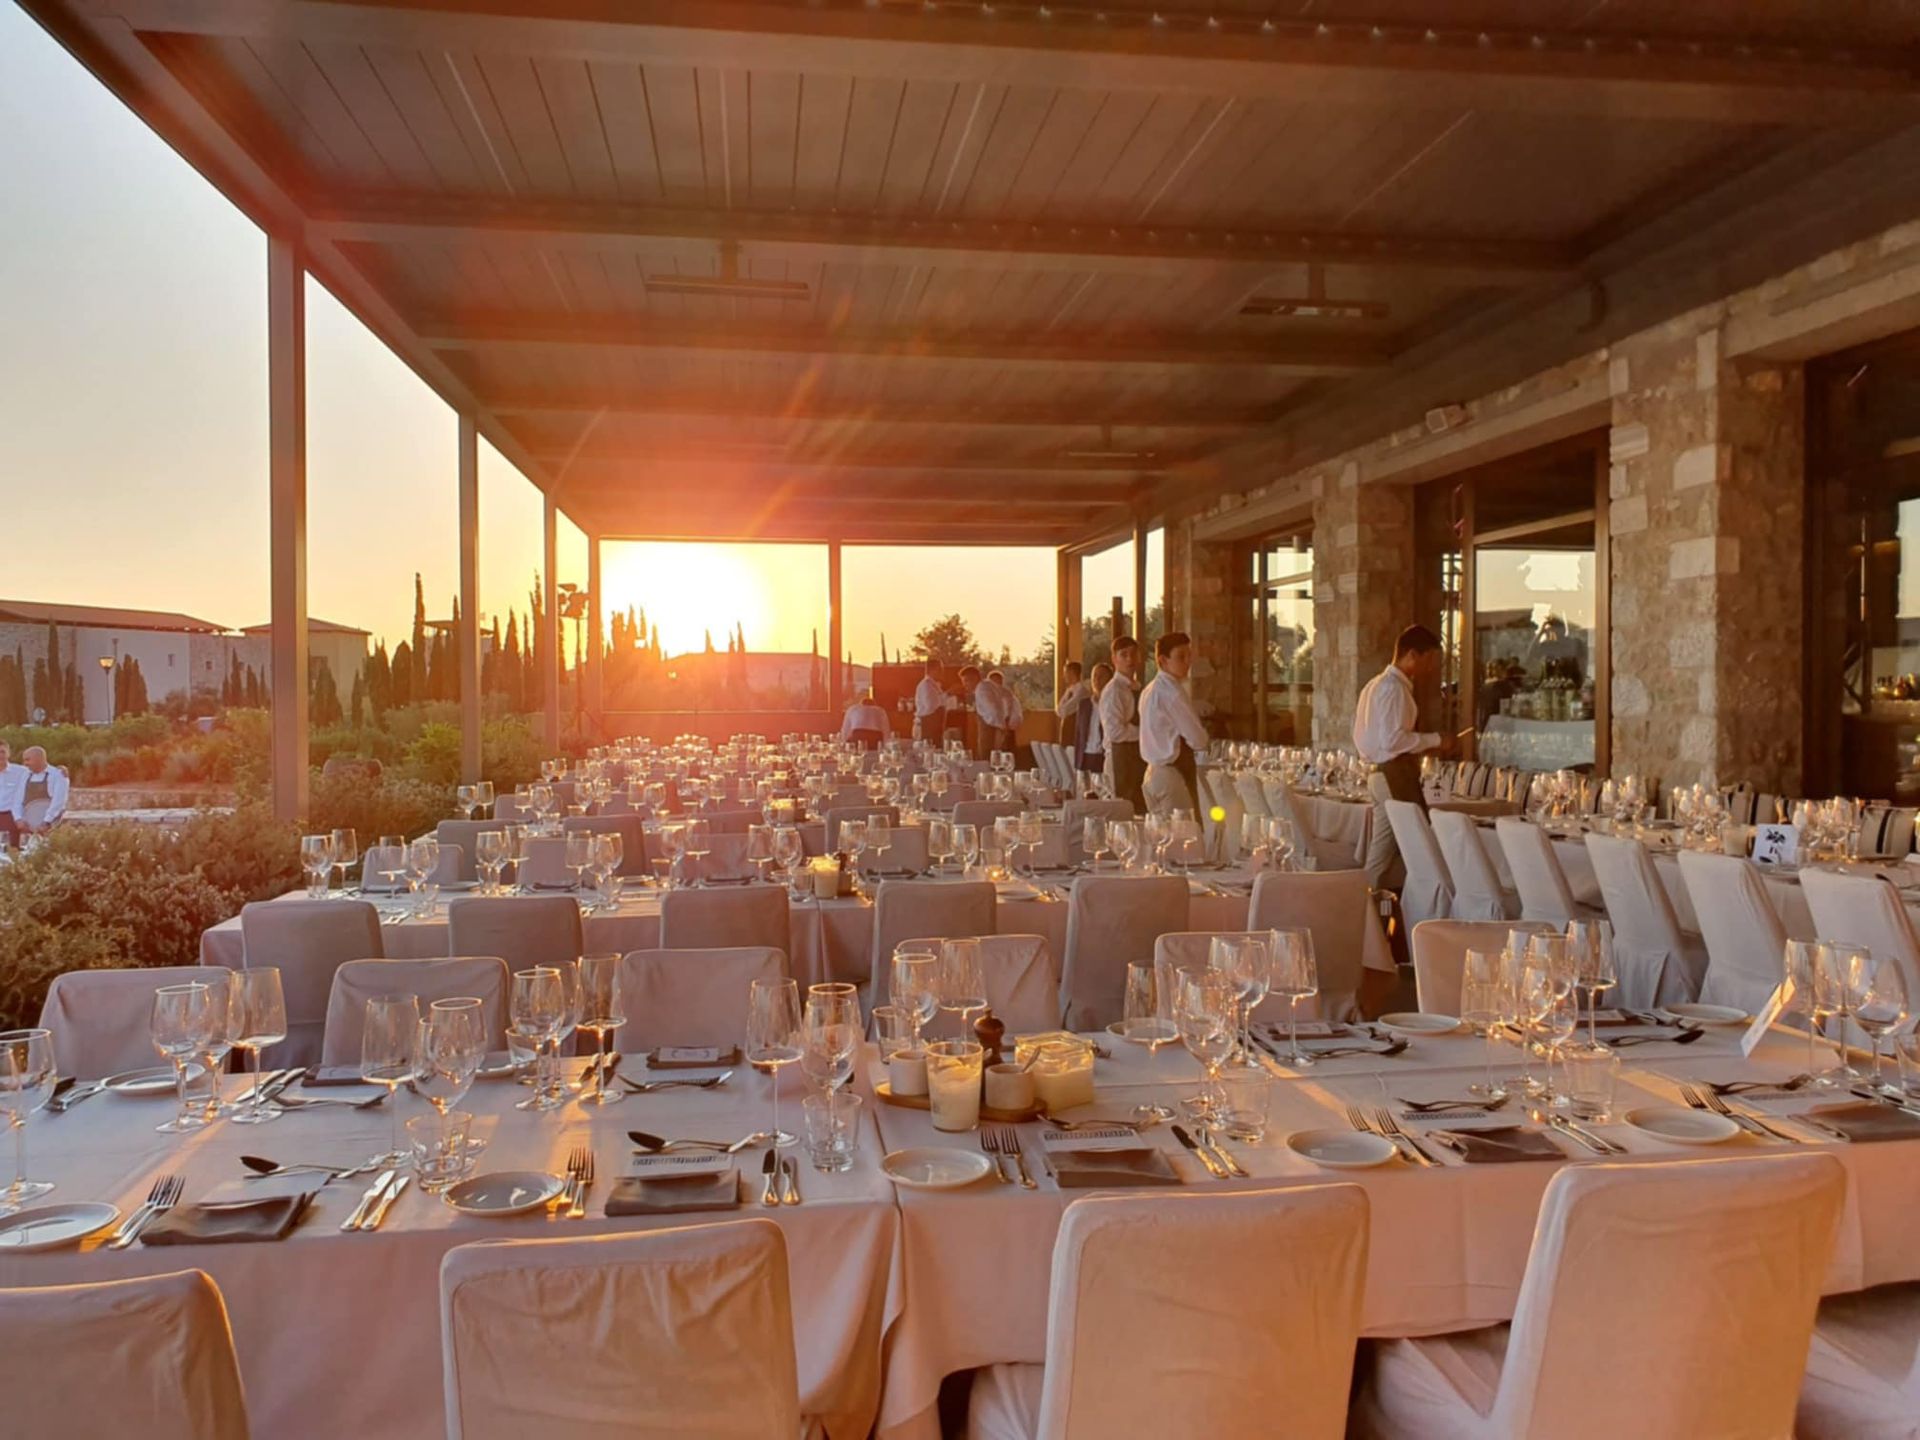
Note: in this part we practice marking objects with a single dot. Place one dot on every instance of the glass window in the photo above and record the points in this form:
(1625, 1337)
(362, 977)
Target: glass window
(1534, 643)
(1282, 653)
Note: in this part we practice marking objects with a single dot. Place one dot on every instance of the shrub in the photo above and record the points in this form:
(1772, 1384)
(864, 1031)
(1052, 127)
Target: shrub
(435, 756)
(377, 807)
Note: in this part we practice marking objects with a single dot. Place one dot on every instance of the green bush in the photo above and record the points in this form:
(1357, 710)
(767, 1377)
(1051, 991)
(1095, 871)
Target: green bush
(435, 756)
(373, 808)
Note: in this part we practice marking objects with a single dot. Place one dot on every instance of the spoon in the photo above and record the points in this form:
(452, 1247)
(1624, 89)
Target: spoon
(1429, 1107)
(264, 1168)
(654, 1144)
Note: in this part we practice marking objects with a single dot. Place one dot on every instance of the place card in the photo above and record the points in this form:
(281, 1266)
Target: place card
(1107, 1137)
(1776, 1006)
(684, 1057)
(678, 1165)
(1776, 845)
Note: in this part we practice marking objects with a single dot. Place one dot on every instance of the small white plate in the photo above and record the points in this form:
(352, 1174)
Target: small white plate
(505, 1192)
(1342, 1149)
(935, 1167)
(1414, 1022)
(1681, 1125)
(497, 1065)
(157, 1081)
(1709, 1014)
(53, 1227)
(1144, 1032)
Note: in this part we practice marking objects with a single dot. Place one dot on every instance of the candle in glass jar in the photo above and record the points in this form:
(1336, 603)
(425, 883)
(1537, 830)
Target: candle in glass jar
(826, 878)
(907, 1072)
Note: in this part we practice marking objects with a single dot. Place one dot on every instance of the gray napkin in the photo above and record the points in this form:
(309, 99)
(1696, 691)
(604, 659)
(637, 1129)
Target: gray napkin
(717, 1191)
(1110, 1169)
(1499, 1144)
(1865, 1121)
(272, 1219)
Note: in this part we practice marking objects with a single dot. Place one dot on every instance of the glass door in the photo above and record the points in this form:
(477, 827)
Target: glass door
(1534, 643)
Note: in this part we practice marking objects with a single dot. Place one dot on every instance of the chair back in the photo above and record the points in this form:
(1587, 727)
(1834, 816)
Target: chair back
(1113, 921)
(1187, 950)
(1477, 891)
(631, 830)
(909, 909)
(984, 812)
(1336, 907)
(1023, 982)
(523, 930)
(1863, 910)
(1252, 793)
(742, 915)
(1654, 962)
(692, 997)
(859, 810)
(1746, 943)
(381, 859)
(1886, 830)
(163, 1340)
(649, 1336)
(465, 834)
(101, 1019)
(1544, 892)
(906, 850)
(1440, 956)
(307, 940)
(1428, 892)
(481, 977)
(1233, 812)
(1658, 1257)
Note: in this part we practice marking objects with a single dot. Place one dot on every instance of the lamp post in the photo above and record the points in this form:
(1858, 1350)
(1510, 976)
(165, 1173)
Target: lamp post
(107, 663)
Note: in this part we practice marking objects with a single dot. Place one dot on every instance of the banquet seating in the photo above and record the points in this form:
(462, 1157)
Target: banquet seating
(692, 997)
(1863, 1369)
(101, 1019)
(1253, 798)
(1656, 963)
(859, 810)
(1886, 830)
(725, 919)
(1863, 910)
(1326, 854)
(1233, 811)
(1667, 1300)
(1440, 956)
(151, 1357)
(479, 977)
(984, 812)
(907, 909)
(1746, 943)
(1148, 1333)
(1188, 950)
(652, 1336)
(1336, 908)
(524, 930)
(307, 940)
(1544, 892)
(381, 859)
(466, 835)
(906, 850)
(1051, 853)
(1113, 921)
(1427, 892)
(1074, 815)
(543, 864)
(1023, 982)
(1477, 891)
(630, 829)
(727, 860)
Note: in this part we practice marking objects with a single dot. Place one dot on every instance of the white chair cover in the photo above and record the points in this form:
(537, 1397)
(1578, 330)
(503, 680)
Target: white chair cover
(727, 860)
(544, 864)
(1862, 910)
(1325, 854)
(1337, 909)
(482, 978)
(1428, 891)
(382, 858)
(912, 909)
(1886, 830)
(151, 1357)
(1073, 820)
(1440, 956)
(1233, 811)
(654, 1336)
(1187, 950)
(1701, 1275)
(1657, 965)
(1746, 943)
(1112, 921)
(1023, 983)
(1863, 1370)
(523, 930)
(631, 830)
(1544, 892)
(100, 1018)
(1252, 795)
(859, 810)
(1477, 891)
(984, 812)
(691, 997)
(746, 915)
(906, 850)
(1135, 1346)
(464, 835)
(307, 940)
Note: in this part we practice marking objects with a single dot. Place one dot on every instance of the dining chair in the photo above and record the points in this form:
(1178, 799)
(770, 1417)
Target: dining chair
(382, 860)
(723, 919)
(908, 909)
(1023, 983)
(1337, 908)
(1253, 795)
(1477, 891)
(476, 977)
(1746, 943)
(1657, 963)
(1440, 955)
(1147, 1332)
(692, 997)
(1542, 884)
(523, 930)
(650, 1336)
(1187, 950)
(984, 812)
(1863, 1368)
(859, 810)
(149, 1357)
(1112, 922)
(1864, 910)
(1427, 893)
(631, 830)
(101, 1019)
(1886, 831)
(906, 851)
(1701, 1275)
(465, 836)
(307, 940)
(1233, 811)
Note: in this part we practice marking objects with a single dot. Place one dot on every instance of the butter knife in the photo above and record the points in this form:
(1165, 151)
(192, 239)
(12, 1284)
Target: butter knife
(380, 1183)
(372, 1222)
(790, 1170)
(1206, 1158)
(769, 1193)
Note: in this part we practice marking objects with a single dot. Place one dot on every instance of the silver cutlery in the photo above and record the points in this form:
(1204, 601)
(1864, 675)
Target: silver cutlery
(1445, 1107)
(63, 1103)
(656, 1144)
(647, 1087)
(1357, 1118)
(790, 1169)
(1757, 1087)
(562, 1203)
(990, 1142)
(1214, 1167)
(769, 1193)
(1866, 1092)
(1135, 1125)
(1684, 1037)
(323, 1102)
(385, 1203)
(1390, 1128)
(265, 1169)
(259, 1086)
(583, 1182)
(1224, 1155)
(1008, 1139)
(374, 1191)
(1579, 1134)
(164, 1195)
(1705, 1099)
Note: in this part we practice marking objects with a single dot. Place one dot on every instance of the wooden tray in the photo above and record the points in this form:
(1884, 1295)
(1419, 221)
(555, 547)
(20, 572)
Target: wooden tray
(920, 1102)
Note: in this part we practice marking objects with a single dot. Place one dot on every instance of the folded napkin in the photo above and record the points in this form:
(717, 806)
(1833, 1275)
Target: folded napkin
(677, 1196)
(1110, 1169)
(1499, 1144)
(1867, 1121)
(692, 1057)
(270, 1219)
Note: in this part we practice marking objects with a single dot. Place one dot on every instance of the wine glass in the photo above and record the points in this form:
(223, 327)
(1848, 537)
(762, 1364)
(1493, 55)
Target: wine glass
(536, 1009)
(452, 1043)
(1591, 944)
(1802, 968)
(1247, 962)
(832, 1034)
(316, 862)
(26, 1083)
(1480, 1007)
(1205, 1003)
(939, 842)
(346, 854)
(760, 849)
(393, 859)
(1294, 976)
(1030, 832)
(261, 1021)
(1124, 836)
(789, 849)
(601, 1013)
(853, 840)
(463, 801)
(490, 852)
(879, 838)
(578, 853)
(914, 983)
(224, 1027)
(1843, 968)
(1093, 837)
(961, 982)
(180, 1025)
(966, 845)
(774, 1040)
(483, 797)
(673, 840)
(423, 862)
(1556, 1026)
(387, 1056)
(542, 798)
(698, 843)
(1877, 995)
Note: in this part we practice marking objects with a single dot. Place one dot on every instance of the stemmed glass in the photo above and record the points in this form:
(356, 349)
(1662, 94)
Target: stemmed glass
(316, 862)
(463, 801)
(260, 1020)
(609, 854)
(1093, 837)
(601, 1013)
(1812, 995)
(759, 849)
(1591, 945)
(423, 863)
(490, 852)
(1247, 962)
(914, 984)
(789, 849)
(853, 840)
(387, 1056)
(1481, 1008)
(1031, 832)
(774, 1040)
(220, 1038)
(1842, 969)
(1124, 836)
(939, 842)
(483, 797)
(698, 842)
(393, 852)
(536, 1010)
(1877, 996)
(966, 845)
(1205, 1004)
(832, 1029)
(1556, 1027)
(673, 840)
(1294, 977)
(542, 798)
(346, 854)
(180, 1025)
(452, 1044)
(26, 1083)
(961, 981)
(579, 853)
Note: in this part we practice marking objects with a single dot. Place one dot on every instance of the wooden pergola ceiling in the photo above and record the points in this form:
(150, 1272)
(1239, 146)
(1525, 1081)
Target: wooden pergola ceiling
(918, 270)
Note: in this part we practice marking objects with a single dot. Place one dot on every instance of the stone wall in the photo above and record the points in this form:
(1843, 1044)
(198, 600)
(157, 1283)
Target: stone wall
(1201, 597)
(1363, 590)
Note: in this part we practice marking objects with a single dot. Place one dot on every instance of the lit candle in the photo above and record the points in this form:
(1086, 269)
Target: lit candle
(953, 1083)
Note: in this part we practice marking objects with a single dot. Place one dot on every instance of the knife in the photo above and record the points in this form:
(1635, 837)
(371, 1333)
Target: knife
(380, 1183)
(372, 1222)
(790, 1169)
(1864, 1093)
(769, 1194)
(1589, 1141)
(1206, 1158)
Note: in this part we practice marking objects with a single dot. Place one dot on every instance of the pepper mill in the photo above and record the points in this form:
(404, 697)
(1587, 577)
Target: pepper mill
(990, 1031)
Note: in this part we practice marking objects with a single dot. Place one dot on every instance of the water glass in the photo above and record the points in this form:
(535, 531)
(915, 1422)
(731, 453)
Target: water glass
(1244, 1097)
(953, 1083)
(1143, 1020)
(26, 1083)
(438, 1150)
(832, 1125)
(602, 1011)
(260, 1021)
(1592, 1072)
(389, 1053)
(1906, 1050)
(774, 1039)
(179, 1026)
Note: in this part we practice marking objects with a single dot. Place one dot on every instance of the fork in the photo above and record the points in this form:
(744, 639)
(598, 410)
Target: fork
(990, 1142)
(1390, 1127)
(1007, 1142)
(164, 1195)
(582, 1167)
(1705, 1099)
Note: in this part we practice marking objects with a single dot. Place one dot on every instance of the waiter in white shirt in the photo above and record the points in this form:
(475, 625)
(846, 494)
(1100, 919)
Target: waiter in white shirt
(865, 723)
(1089, 744)
(13, 784)
(1120, 724)
(42, 797)
(1384, 720)
(1011, 710)
(1068, 709)
(931, 706)
(1170, 730)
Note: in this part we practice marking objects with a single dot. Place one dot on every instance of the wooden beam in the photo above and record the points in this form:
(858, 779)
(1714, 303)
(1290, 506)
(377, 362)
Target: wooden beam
(928, 500)
(548, 644)
(1606, 74)
(767, 460)
(708, 404)
(287, 524)
(1311, 355)
(1062, 246)
(703, 527)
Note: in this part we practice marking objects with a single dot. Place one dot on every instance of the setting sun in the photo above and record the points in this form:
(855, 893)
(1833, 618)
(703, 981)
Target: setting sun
(689, 591)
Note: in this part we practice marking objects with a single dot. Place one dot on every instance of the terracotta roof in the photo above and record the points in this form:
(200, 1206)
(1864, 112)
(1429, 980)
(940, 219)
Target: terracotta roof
(102, 617)
(314, 627)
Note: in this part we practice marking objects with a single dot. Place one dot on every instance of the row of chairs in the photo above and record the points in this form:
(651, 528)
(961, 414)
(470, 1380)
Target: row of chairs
(1250, 793)
(1663, 1300)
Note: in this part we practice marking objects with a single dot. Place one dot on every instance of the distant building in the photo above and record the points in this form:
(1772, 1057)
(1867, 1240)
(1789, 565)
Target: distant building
(341, 648)
(769, 677)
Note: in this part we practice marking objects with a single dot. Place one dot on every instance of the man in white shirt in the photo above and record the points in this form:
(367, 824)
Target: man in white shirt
(41, 798)
(1120, 724)
(1011, 708)
(931, 706)
(13, 782)
(1170, 730)
(1068, 708)
(1388, 710)
(1090, 743)
(992, 708)
(865, 723)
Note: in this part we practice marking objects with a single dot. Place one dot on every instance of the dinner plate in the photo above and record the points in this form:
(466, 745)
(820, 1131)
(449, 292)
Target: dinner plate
(1144, 1031)
(504, 1192)
(1709, 1014)
(1415, 1022)
(1681, 1125)
(497, 1065)
(935, 1167)
(157, 1081)
(52, 1227)
(1341, 1149)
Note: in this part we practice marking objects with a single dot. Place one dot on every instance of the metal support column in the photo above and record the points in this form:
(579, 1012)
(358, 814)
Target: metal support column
(287, 511)
(549, 645)
(596, 636)
(836, 675)
(466, 641)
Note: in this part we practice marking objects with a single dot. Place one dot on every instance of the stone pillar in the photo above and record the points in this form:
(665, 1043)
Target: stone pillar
(1708, 499)
(1363, 584)
(1200, 599)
